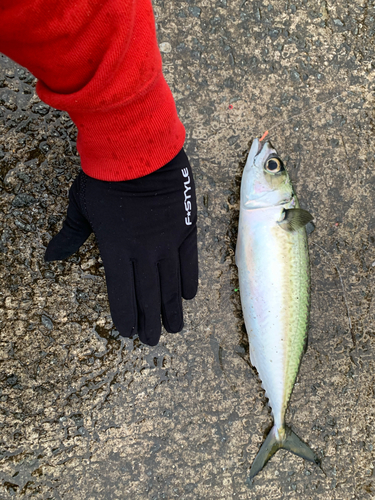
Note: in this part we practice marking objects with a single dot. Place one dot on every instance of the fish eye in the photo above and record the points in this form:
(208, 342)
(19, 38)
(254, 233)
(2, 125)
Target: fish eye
(274, 165)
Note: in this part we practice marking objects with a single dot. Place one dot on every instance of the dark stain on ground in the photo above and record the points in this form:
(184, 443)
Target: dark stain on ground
(231, 240)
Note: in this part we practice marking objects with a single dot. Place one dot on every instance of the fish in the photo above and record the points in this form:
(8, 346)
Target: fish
(274, 282)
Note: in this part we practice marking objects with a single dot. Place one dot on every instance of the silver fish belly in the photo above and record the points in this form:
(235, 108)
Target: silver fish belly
(274, 278)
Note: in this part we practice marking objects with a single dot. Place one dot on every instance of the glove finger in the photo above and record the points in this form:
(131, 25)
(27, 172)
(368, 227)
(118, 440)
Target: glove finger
(171, 303)
(147, 291)
(75, 231)
(189, 266)
(121, 296)
(67, 241)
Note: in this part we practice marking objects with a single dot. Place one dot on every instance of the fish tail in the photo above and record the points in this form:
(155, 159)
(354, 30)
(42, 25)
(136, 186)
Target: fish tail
(284, 438)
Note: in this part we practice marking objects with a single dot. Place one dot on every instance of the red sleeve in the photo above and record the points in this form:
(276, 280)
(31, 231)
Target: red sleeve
(99, 61)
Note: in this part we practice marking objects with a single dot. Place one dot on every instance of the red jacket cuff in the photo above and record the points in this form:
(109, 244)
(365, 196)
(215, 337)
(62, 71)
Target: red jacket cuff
(128, 140)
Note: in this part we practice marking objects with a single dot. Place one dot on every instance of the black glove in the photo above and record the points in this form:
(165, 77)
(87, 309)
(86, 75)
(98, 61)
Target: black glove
(147, 237)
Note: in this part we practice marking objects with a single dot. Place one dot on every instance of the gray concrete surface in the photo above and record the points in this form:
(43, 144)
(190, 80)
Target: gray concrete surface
(85, 415)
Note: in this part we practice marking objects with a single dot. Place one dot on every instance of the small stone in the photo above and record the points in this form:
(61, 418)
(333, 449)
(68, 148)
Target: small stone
(215, 21)
(274, 33)
(7, 99)
(24, 177)
(195, 11)
(12, 380)
(21, 74)
(294, 75)
(165, 47)
(23, 200)
(44, 147)
(47, 322)
(20, 224)
(338, 22)
(229, 83)
(40, 108)
(86, 265)
(233, 139)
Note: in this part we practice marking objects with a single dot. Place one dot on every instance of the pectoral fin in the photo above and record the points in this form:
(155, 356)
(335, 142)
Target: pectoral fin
(295, 218)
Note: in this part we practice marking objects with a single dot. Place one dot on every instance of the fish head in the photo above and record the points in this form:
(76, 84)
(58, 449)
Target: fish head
(265, 182)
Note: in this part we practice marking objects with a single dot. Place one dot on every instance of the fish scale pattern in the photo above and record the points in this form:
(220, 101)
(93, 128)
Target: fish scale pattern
(299, 306)
(274, 286)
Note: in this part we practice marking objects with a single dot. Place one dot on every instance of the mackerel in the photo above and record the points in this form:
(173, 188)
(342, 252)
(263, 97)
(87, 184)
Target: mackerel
(274, 277)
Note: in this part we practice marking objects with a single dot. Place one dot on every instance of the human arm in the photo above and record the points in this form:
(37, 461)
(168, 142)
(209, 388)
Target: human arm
(128, 128)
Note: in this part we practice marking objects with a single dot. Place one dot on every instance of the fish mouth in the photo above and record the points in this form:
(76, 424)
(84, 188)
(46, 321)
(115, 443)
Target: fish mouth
(258, 147)
(262, 145)
(255, 150)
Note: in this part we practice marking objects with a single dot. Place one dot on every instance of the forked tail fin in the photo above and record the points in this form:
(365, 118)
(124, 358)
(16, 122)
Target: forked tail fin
(274, 441)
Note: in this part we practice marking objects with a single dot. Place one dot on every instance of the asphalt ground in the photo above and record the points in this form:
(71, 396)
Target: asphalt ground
(86, 415)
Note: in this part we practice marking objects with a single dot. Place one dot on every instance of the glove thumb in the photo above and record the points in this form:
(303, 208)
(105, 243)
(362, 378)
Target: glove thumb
(75, 231)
